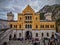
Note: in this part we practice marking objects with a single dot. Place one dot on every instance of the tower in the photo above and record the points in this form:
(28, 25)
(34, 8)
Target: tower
(10, 16)
(48, 16)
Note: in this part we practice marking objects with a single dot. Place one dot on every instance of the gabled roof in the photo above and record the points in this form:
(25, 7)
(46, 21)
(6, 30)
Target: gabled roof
(28, 8)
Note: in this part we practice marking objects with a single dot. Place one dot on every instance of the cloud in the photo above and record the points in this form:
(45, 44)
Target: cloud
(35, 5)
(16, 6)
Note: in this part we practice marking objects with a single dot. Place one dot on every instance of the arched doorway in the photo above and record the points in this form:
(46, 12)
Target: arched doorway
(28, 35)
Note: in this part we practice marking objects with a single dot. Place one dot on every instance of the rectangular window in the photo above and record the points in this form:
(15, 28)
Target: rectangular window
(15, 26)
(36, 26)
(28, 26)
(36, 18)
(41, 26)
(51, 26)
(20, 18)
(46, 26)
(10, 25)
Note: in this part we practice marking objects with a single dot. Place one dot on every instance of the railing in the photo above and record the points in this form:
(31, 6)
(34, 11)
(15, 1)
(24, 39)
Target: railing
(5, 33)
(4, 36)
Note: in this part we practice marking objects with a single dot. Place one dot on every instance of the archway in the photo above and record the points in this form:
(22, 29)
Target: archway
(28, 35)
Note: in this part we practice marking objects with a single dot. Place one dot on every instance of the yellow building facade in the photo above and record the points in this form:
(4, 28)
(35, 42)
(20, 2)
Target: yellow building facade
(29, 21)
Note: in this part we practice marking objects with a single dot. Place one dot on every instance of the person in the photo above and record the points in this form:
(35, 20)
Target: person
(10, 37)
(5, 43)
(36, 43)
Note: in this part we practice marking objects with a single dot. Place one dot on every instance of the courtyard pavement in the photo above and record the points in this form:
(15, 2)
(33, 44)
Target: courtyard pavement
(26, 42)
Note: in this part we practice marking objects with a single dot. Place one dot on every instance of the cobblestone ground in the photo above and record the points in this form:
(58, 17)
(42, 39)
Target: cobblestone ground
(27, 42)
(19, 42)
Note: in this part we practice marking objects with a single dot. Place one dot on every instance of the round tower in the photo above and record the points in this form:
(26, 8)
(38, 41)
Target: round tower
(10, 16)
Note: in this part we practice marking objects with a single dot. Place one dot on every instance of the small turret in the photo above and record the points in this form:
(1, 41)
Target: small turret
(48, 16)
(10, 16)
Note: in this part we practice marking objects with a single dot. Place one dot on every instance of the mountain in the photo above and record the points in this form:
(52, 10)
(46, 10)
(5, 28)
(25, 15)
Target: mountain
(54, 9)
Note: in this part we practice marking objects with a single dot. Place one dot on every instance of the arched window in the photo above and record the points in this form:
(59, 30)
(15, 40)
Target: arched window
(36, 34)
(36, 26)
(10, 25)
(30, 17)
(36, 18)
(51, 26)
(28, 26)
(20, 18)
(52, 36)
(20, 26)
(15, 26)
(19, 34)
(46, 26)
(41, 26)
(14, 36)
(42, 34)
(47, 34)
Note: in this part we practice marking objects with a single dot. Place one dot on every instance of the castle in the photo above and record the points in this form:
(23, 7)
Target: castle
(29, 25)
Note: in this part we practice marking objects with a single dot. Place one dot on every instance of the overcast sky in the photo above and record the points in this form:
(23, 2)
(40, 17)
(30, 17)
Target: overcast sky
(17, 6)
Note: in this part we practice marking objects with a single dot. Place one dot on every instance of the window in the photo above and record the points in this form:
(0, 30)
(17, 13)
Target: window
(42, 34)
(47, 34)
(14, 35)
(36, 18)
(36, 34)
(36, 26)
(20, 18)
(20, 26)
(28, 17)
(19, 34)
(15, 26)
(46, 26)
(41, 26)
(51, 26)
(28, 26)
(10, 25)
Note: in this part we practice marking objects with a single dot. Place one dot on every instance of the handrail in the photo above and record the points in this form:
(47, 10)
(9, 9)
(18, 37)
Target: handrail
(3, 32)
(4, 35)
